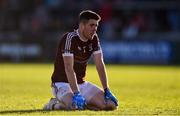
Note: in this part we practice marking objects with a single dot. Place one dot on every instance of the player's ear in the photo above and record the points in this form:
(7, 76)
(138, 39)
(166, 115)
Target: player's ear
(81, 26)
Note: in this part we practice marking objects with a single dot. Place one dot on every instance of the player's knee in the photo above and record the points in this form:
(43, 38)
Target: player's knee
(110, 105)
(101, 106)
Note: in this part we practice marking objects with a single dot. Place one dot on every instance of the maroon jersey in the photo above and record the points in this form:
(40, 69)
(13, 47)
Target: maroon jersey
(72, 45)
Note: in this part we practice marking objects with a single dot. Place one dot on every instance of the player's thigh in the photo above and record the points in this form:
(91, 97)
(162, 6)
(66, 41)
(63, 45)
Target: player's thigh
(95, 97)
(93, 94)
(63, 93)
(89, 90)
(67, 100)
(98, 101)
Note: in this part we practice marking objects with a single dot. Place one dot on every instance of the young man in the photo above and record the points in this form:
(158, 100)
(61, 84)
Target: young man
(68, 80)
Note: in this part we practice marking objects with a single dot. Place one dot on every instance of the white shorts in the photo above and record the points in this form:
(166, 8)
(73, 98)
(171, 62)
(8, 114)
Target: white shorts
(87, 89)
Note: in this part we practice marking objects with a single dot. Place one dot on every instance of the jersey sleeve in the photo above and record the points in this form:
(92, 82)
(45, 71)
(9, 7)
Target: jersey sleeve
(96, 45)
(67, 47)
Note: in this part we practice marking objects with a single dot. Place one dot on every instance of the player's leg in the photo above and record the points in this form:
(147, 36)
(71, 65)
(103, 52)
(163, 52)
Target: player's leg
(66, 102)
(64, 94)
(99, 103)
(95, 97)
(54, 104)
(63, 98)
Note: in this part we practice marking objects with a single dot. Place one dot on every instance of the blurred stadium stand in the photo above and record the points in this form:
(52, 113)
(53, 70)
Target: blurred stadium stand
(29, 29)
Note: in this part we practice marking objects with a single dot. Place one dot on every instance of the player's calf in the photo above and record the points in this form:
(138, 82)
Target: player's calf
(53, 104)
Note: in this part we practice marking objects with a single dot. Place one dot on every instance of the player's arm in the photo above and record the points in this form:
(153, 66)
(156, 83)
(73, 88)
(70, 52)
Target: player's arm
(100, 66)
(78, 100)
(68, 64)
(98, 59)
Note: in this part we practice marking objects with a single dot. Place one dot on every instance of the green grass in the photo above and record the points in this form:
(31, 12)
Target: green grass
(141, 90)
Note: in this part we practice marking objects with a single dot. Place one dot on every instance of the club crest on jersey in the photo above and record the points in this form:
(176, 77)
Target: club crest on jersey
(84, 49)
(79, 48)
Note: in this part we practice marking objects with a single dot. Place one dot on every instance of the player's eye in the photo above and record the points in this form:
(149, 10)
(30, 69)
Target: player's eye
(92, 25)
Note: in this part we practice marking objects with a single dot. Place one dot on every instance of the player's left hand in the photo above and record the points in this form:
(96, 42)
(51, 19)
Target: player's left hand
(109, 96)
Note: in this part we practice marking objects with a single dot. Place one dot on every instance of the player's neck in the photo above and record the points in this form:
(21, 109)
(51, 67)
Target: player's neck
(80, 34)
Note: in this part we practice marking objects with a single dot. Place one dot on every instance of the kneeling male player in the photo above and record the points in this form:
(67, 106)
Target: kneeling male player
(70, 89)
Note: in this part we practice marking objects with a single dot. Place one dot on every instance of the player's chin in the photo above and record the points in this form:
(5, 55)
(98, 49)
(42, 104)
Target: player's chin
(91, 36)
(111, 105)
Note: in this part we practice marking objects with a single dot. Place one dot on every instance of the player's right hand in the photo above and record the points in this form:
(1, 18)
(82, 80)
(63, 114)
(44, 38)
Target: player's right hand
(78, 101)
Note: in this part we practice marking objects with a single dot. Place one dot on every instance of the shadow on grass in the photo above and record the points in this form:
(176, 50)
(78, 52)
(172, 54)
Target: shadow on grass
(22, 111)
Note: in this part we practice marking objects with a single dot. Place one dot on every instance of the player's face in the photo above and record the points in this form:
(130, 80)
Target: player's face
(90, 29)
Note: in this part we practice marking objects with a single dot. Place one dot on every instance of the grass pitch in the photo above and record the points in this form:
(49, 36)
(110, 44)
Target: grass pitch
(141, 90)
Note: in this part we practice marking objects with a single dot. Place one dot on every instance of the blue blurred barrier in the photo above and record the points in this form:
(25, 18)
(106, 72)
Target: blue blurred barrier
(116, 52)
(19, 52)
(137, 52)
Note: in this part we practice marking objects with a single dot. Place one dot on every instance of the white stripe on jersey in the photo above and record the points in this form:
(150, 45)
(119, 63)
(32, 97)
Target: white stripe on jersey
(68, 42)
(65, 47)
(97, 52)
(67, 54)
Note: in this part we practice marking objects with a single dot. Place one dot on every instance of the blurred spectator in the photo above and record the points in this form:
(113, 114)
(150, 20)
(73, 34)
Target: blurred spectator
(135, 25)
(107, 24)
(53, 4)
(173, 17)
(58, 15)
(40, 17)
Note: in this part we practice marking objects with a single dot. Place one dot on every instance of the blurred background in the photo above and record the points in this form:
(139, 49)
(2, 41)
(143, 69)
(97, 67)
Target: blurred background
(131, 31)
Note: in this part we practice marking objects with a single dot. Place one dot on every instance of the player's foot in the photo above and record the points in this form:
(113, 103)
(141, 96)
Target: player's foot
(50, 105)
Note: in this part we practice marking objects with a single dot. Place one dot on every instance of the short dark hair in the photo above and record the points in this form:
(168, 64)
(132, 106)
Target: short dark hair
(86, 15)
